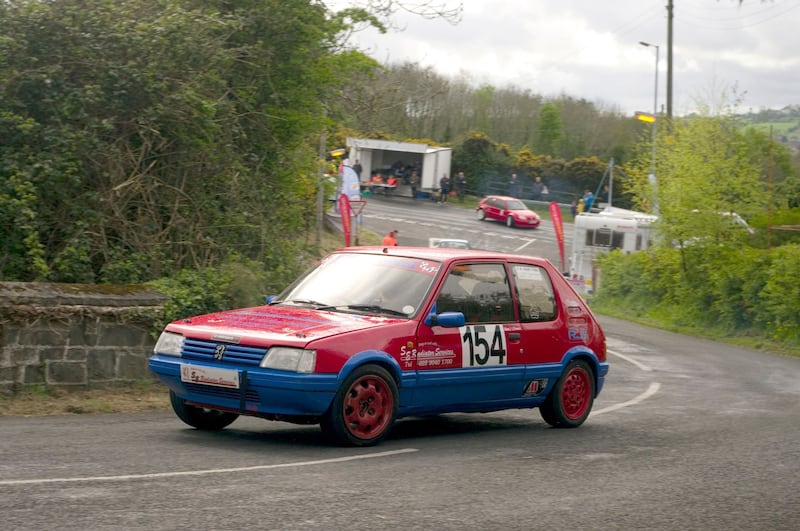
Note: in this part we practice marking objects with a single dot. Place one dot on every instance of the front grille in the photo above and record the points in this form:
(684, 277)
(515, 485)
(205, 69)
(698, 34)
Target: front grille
(195, 349)
(221, 392)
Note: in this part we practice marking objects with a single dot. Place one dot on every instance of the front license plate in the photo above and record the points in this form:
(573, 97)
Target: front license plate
(210, 376)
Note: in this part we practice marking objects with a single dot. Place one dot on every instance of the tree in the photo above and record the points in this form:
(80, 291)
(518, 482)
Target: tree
(383, 10)
(143, 136)
(707, 170)
(549, 130)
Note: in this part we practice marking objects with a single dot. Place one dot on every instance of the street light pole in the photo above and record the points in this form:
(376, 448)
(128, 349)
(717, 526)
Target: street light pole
(655, 122)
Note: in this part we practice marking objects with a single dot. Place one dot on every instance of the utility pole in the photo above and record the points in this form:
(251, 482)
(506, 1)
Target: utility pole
(669, 62)
(653, 136)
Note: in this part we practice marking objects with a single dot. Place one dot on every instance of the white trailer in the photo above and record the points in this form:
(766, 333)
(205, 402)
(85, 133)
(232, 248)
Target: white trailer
(601, 232)
(381, 154)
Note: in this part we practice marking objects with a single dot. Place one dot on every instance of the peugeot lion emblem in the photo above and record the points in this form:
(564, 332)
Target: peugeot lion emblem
(219, 351)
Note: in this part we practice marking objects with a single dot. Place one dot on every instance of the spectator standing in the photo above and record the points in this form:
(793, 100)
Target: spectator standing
(444, 187)
(413, 180)
(390, 240)
(588, 199)
(538, 189)
(358, 168)
(513, 186)
(461, 185)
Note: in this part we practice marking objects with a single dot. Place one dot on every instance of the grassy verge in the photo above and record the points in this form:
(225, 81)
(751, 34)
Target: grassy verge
(666, 322)
(133, 398)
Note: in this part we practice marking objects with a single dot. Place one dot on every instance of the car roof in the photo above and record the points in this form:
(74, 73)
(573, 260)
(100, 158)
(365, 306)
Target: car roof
(443, 254)
(504, 197)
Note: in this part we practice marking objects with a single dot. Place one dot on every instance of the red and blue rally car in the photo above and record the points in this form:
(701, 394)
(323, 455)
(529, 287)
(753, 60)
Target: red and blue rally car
(373, 334)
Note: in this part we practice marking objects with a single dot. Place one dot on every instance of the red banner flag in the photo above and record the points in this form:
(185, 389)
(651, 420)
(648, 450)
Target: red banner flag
(558, 225)
(344, 211)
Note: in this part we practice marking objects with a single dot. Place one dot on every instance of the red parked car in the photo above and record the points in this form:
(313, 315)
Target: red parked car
(374, 334)
(509, 210)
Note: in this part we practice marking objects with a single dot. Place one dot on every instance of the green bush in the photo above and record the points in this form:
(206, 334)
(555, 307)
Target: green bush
(779, 311)
(718, 289)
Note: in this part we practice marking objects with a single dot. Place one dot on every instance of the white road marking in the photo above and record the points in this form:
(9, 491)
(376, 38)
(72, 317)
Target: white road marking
(653, 389)
(128, 477)
(641, 366)
(521, 247)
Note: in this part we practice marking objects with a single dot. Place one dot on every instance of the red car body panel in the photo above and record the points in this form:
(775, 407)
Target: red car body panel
(501, 208)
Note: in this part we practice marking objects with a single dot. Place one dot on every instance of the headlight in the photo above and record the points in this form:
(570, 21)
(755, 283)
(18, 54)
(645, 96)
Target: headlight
(290, 359)
(169, 344)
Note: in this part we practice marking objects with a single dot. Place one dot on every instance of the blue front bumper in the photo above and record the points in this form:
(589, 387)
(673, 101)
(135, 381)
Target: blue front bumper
(261, 391)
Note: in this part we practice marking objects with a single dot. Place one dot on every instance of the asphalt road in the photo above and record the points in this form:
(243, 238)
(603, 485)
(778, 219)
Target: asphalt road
(687, 434)
(419, 220)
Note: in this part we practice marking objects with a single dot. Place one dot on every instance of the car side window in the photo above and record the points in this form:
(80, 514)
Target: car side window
(534, 293)
(480, 291)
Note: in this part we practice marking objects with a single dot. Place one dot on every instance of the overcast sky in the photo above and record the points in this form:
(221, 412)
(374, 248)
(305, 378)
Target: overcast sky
(590, 49)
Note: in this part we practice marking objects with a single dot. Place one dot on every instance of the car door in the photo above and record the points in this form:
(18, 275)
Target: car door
(502, 210)
(478, 365)
(493, 208)
(545, 338)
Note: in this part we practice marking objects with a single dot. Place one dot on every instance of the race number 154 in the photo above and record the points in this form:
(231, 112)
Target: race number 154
(482, 346)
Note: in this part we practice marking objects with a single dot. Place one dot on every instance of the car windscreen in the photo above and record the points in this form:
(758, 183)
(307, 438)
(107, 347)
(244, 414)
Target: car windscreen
(393, 285)
(516, 205)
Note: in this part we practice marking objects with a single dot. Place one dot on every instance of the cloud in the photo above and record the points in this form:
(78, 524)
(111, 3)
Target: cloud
(590, 49)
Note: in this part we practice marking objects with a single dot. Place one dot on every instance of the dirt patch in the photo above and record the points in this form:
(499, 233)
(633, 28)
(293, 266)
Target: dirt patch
(129, 399)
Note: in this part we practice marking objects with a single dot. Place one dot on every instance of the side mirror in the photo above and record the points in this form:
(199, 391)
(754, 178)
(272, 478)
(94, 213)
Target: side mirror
(451, 319)
(445, 319)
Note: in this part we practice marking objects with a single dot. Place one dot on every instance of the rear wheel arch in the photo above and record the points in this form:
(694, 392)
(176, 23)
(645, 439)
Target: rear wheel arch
(570, 401)
(593, 364)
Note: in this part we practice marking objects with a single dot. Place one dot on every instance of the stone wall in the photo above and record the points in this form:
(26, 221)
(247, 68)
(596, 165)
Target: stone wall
(75, 335)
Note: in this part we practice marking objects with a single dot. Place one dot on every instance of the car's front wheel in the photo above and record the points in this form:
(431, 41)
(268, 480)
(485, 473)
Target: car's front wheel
(509, 221)
(364, 408)
(198, 417)
(570, 401)
(480, 214)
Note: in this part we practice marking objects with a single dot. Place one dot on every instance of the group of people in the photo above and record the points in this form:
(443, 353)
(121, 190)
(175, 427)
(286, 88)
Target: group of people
(446, 189)
(583, 203)
(445, 186)
(378, 182)
(538, 188)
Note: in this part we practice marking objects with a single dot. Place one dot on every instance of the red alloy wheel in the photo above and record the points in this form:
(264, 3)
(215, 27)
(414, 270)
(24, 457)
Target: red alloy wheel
(576, 393)
(368, 407)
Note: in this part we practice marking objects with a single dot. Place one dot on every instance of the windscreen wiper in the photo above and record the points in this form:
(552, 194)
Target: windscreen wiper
(374, 308)
(316, 304)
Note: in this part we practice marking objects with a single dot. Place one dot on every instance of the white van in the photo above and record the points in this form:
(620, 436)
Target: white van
(601, 232)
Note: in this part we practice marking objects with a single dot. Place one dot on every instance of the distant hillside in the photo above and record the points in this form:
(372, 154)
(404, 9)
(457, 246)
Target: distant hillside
(785, 124)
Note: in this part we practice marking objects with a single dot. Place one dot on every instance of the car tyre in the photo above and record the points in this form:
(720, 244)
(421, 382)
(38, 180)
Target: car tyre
(364, 408)
(480, 214)
(570, 401)
(510, 221)
(200, 418)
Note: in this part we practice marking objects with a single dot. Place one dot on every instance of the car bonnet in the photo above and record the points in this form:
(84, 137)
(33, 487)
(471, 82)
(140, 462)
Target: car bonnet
(267, 325)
